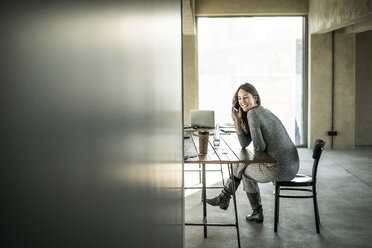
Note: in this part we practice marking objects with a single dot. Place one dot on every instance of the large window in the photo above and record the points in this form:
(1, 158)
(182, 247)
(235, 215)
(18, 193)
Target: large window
(264, 51)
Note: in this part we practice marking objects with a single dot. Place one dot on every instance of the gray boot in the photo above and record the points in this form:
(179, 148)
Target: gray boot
(255, 201)
(223, 199)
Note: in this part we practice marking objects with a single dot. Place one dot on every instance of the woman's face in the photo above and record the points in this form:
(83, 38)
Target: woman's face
(246, 100)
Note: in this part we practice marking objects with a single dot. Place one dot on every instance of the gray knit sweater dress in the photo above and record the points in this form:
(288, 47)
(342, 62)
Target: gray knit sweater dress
(268, 134)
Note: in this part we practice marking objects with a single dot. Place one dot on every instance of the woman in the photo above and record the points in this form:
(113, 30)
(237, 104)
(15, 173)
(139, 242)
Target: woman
(255, 123)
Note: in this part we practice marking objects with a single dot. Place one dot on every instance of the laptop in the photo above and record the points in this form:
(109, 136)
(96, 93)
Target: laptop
(202, 118)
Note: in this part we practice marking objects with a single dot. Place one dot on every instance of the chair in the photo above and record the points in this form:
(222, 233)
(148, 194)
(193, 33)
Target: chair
(301, 181)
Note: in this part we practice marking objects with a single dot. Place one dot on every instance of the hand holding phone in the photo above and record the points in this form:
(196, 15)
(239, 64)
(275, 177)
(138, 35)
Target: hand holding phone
(236, 106)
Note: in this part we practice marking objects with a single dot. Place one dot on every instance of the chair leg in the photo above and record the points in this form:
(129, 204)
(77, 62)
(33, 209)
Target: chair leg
(276, 213)
(316, 210)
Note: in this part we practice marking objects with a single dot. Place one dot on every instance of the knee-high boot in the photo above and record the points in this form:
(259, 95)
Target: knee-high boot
(223, 199)
(255, 201)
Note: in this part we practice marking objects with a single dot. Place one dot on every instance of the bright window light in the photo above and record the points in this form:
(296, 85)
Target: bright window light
(264, 51)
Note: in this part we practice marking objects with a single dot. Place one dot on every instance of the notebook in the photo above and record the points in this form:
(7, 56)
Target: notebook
(228, 129)
(202, 118)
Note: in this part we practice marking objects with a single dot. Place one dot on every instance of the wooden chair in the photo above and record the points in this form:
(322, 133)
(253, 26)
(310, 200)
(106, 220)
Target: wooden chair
(301, 181)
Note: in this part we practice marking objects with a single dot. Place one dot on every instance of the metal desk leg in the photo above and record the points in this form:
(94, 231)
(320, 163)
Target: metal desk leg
(204, 196)
(200, 175)
(235, 206)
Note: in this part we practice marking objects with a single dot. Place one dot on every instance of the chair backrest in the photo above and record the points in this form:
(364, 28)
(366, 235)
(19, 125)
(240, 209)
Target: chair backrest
(317, 151)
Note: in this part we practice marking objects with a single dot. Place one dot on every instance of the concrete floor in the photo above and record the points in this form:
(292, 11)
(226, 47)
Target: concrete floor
(344, 199)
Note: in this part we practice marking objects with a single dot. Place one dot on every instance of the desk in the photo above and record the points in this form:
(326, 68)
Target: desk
(228, 152)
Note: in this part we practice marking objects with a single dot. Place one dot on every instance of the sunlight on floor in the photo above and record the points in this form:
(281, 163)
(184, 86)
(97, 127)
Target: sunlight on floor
(213, 174)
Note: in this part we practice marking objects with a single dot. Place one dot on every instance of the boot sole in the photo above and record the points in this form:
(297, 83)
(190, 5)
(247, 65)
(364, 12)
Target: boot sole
(257, 221)
(208, 201)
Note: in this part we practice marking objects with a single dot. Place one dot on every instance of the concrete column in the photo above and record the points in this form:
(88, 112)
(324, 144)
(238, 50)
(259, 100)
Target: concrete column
(190, 67)
(344, 112)
(363, 90)
(320, 88)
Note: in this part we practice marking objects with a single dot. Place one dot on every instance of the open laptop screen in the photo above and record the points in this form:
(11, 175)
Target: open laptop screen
(202, 118)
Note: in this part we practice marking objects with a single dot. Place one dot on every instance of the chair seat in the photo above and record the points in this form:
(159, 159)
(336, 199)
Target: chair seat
(299, 180)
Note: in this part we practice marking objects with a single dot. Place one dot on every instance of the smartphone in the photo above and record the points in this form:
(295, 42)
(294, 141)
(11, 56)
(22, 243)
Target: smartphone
(236, 106)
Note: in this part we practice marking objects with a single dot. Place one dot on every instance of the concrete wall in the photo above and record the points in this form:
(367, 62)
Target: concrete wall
(328, 15)
(347, 18)
(190, 62)
(320, 87)
(363, 91)
(92, 131)
(344, 112)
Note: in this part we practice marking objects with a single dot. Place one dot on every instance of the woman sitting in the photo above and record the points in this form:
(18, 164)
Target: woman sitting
(255, 123)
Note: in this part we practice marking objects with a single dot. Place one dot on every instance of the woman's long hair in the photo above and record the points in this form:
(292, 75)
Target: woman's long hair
(250, 89)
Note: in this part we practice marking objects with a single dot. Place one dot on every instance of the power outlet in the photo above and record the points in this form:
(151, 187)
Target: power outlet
(332, 133)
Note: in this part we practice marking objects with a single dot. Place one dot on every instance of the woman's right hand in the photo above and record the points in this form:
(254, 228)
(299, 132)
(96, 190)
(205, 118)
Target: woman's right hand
(236, 114)
(237, 117)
